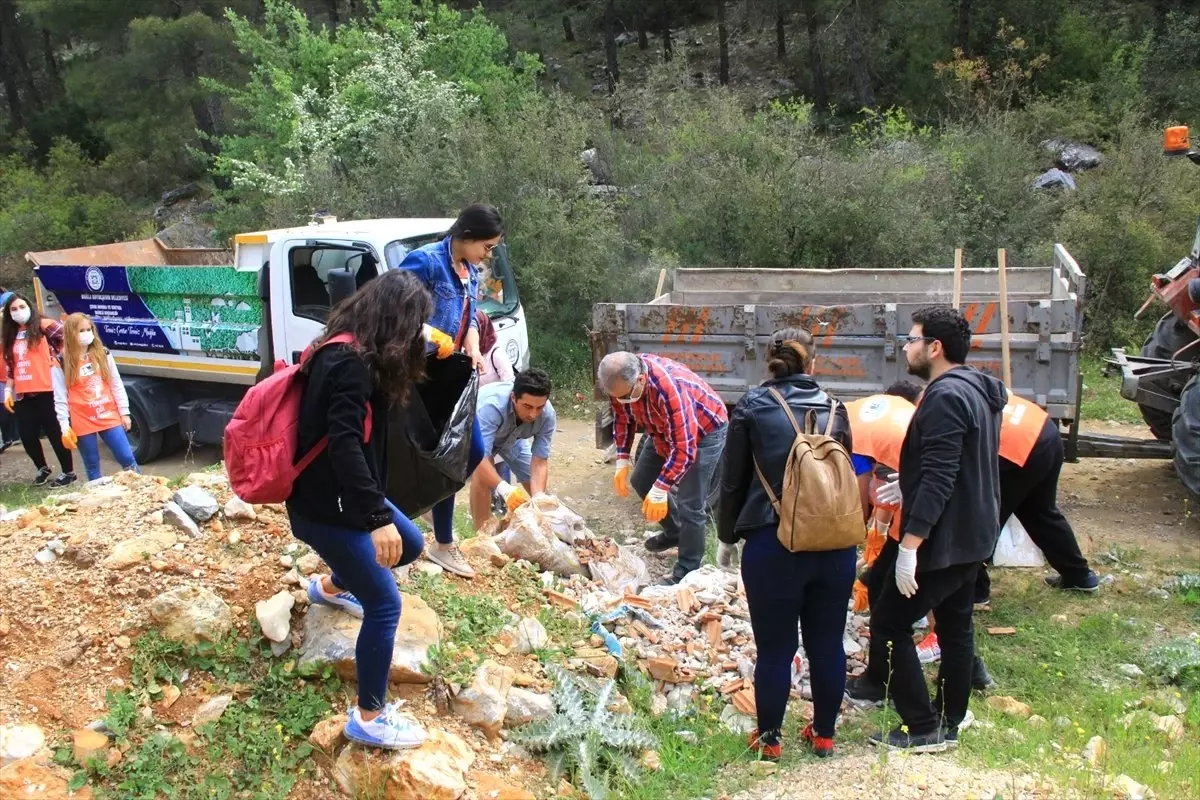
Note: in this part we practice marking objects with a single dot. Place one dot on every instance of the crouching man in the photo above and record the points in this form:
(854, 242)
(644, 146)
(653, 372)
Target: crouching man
(516, 422)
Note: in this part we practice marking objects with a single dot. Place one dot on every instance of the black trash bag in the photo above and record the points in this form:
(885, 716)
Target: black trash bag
(429, 440)
(1073, 156)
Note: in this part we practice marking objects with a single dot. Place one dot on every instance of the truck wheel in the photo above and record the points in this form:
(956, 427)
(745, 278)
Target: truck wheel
(146, 444)
(1187, 436)
(1170, 334)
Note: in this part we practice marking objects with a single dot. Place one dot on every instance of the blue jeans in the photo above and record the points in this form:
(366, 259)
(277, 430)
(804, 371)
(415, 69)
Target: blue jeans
(783, 589)
(351, 555)
(117, 443)
(443, 512)
(687, 507)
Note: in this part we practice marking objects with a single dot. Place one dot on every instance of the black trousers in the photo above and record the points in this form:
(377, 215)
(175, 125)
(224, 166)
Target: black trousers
(35, 415)
(8, 426)
(1031, 493)
(949, 594)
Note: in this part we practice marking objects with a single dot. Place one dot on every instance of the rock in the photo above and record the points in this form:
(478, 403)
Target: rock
(140, 548)
(190, 614)
(45, 556)
(679, 699)
(234, 537)
(308, 564)
(491, 787)
(434, 771)
(427, 568)
(1171, 726)
(1130, 670)
(484, 703)
(1038, 721)
(279, 648)
(1095, 751)
(286, 562)
(651, 760)
(29, 780)
(88, 744)
(173, 514)
(763, 767)
(526, 636)
(658, 705)
(1063, 723)
(123, 642)
(481, 547)
(80, 557)
(1010, 706)
(736, 722)
(275, 615)
(238, 510)
(212, 710)
(1126, 788)
(19, 741)
(330, 636)
(525, 707)
(170, 695)
(851, 646)
(197, 503)
(329, 735)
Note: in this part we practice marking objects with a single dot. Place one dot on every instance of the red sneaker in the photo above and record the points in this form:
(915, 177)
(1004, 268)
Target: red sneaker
(768, 752)
(822, 745)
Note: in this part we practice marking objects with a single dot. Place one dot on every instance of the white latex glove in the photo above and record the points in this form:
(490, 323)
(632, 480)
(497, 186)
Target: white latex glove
(726, 554)
(906, 571)
(889, 493)
(504, 489)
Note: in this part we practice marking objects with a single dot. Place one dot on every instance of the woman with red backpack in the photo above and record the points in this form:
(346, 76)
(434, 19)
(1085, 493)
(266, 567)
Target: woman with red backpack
(337, 504)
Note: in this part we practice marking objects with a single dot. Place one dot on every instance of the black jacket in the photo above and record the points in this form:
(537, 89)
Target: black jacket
(344, 485)
(759, 429)
(950, 469)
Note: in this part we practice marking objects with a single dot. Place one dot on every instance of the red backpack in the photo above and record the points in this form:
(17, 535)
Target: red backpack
(261, 439)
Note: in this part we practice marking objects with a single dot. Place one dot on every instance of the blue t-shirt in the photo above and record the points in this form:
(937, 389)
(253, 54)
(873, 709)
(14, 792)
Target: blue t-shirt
(862, 464)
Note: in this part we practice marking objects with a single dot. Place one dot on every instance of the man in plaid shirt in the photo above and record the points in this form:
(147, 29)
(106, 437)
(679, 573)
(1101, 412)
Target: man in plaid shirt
(686, 422)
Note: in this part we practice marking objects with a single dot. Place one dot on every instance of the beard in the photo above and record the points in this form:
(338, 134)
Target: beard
(922, 369)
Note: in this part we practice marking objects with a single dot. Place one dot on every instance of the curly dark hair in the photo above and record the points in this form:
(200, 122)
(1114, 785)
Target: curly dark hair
(385, 318)
(34, 326)
(906, 389)
(948, 326)
(790, 352)
(532, 381)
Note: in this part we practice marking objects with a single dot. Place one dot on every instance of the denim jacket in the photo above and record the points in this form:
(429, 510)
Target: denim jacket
(431, 264)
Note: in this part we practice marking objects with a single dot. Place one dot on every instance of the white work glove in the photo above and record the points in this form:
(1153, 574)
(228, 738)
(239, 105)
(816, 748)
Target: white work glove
(889, 493)
(906, 571)
(726, 554)
(504, 489)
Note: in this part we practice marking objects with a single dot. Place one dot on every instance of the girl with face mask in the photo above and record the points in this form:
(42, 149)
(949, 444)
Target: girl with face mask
(89, 398)
(31, 347)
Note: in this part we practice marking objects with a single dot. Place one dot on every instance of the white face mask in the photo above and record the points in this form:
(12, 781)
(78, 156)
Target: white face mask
(20, 315)
(86, 338)
(633, 396)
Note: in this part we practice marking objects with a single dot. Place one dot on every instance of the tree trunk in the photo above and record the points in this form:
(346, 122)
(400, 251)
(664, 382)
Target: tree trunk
(780, 32)
(860, 67)
(568, 31)
(963, 37)
(205, 122)
(334, 17)
(643, 36)
(665, 23)
(610, 41)
(816, 55)
(18, 58)
(723, 39)
(52, 72)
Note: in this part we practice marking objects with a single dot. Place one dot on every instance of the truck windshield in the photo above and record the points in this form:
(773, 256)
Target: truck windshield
(497, 283)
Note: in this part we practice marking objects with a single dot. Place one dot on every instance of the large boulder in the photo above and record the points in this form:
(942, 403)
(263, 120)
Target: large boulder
(330, 636)
(484, 703)
(191, 614)
(434, 771)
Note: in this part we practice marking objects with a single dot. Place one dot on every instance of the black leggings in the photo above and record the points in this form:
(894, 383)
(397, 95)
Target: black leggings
(35, 416)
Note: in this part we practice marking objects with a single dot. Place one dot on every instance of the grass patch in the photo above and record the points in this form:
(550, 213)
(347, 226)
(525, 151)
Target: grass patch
(471, 622)
(1102, 394)
(23, 495)
(569, 363)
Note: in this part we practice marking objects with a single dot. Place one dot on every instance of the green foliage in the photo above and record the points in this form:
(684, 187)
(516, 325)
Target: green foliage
(583, 739)
(1178, 662)
(473, 620)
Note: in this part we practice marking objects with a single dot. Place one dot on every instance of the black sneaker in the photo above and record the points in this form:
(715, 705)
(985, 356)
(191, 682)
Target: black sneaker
(981, 679)
(66, 479)
(932, 742)
(660, 542)
(43, 475)
(669, 580)
(5, 445)
(1090, 584)
(983, 603)
(865, 690)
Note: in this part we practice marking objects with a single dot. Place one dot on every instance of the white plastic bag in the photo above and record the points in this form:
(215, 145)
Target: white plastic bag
(626, 572)
(535, 532)
(1015, 548)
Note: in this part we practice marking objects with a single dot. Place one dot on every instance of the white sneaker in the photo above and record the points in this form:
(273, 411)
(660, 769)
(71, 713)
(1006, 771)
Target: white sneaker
(451, 559)
(389, 730)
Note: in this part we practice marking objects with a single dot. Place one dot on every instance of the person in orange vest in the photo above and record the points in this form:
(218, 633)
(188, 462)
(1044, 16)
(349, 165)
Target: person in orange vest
(89, 398)
(31, 347)
(1031, 458)
(8, 420)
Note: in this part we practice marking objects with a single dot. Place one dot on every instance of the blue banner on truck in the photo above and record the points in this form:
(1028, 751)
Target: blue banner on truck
(182, 310)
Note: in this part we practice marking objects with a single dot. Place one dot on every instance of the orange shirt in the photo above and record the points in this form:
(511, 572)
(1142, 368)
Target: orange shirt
(877, 426)
(31, 367)
(1020, 426)
(92, 405)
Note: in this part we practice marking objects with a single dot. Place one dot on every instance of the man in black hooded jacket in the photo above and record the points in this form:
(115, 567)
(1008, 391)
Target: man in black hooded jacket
(949, 489)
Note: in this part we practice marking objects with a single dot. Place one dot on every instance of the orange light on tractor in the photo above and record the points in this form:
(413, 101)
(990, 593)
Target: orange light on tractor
(1176, 141)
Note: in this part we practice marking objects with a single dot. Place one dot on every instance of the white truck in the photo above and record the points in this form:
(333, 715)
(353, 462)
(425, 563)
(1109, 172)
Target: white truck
(191, 329)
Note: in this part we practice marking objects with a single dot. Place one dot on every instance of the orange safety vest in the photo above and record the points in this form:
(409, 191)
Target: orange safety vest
(1020, 426)
(90, 400)
(877, 426)
(31, 368)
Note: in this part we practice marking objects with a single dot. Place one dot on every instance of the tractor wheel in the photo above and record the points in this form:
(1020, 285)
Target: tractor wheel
(1170, 334)
(1187, 436)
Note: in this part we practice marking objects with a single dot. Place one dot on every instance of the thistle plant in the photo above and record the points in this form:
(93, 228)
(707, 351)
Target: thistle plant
(583, 739)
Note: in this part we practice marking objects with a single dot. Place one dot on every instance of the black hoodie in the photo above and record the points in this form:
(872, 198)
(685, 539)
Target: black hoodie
(950, 469)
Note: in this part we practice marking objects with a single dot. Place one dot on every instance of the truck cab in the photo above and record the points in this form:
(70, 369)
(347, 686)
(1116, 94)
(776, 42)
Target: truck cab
(192, 329)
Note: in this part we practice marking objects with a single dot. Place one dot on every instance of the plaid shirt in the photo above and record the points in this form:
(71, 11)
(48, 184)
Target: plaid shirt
(676, 410)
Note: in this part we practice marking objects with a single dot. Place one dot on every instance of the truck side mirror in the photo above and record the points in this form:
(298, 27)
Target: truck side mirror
(341, 285)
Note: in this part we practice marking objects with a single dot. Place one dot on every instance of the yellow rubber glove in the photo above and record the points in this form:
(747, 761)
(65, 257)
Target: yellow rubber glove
(654, 507)
(516, 498)
(69, 439)
(621, 478)
(443, 342)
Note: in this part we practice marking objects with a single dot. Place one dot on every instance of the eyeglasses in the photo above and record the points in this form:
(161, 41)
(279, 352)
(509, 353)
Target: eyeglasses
(914, 339)
(488, 248)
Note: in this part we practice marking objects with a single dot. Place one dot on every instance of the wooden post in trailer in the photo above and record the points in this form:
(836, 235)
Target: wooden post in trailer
(1005, 351)
(958, 268)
